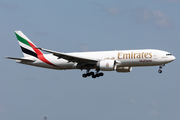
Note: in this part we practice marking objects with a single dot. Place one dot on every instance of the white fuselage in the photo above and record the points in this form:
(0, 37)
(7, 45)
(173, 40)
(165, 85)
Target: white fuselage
(123, 58)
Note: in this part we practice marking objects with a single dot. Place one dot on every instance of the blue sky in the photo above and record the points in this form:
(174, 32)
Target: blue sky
(32, 93)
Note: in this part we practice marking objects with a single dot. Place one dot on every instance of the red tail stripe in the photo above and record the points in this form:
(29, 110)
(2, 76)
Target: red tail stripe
(40, 55)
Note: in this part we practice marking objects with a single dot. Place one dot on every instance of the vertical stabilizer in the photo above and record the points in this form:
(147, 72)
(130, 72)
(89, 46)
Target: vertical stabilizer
(28, 48)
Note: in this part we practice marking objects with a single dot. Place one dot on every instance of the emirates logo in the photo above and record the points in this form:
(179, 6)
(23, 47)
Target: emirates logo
(107, 65)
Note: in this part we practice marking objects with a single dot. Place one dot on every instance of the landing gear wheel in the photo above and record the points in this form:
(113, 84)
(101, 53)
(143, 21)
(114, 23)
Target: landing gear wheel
(101, 74)
(160, 71)
(93, 76)
(92, 73)
(160, 67)
(97, 75)
(88, 74)
(84, 75)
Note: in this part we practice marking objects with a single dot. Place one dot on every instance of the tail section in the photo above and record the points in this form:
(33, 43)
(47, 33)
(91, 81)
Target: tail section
(28, 48)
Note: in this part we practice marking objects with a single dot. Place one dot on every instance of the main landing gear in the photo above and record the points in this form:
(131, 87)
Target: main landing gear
(160, 67)
(92, 74)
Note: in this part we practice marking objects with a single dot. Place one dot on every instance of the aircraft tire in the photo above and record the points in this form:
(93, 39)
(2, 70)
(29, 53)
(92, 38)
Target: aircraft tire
(92, 73)
(84, 75)
(88, 74)
(93, 76)
(160, 71)
(97, 75)
(101, 74)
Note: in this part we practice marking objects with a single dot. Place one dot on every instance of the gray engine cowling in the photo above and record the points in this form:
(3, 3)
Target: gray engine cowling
(123, 69)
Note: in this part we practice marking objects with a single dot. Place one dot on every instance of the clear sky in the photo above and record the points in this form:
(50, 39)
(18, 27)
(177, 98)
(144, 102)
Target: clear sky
(31, 93)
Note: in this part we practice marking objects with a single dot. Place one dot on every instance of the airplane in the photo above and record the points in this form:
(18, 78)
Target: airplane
(118, 60)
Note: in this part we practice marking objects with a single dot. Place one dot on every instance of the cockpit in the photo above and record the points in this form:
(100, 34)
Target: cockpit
(169, 57)
(169, 54)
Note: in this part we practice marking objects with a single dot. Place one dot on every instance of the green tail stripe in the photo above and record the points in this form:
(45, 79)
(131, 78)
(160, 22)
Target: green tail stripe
(22, 40)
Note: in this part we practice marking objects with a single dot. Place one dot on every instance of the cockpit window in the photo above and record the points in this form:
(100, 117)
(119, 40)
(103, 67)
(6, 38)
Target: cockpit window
(168, 54)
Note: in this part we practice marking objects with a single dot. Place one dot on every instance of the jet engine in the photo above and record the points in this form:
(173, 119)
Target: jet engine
(123, 69)
(106, 65)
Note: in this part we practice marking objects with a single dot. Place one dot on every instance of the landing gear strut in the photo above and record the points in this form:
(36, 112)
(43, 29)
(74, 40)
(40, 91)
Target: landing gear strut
(160, 67)
(94, 75)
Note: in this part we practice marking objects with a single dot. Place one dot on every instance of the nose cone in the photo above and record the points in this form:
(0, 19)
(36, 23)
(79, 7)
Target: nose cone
(173, 58)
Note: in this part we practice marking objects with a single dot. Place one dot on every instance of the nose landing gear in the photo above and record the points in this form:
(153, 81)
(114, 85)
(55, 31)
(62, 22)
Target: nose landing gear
(160, 67)
(159, 71)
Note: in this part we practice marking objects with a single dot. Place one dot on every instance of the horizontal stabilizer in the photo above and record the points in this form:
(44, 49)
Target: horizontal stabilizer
(22, 59)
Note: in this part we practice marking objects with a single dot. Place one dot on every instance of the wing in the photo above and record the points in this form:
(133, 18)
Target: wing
(72, 58)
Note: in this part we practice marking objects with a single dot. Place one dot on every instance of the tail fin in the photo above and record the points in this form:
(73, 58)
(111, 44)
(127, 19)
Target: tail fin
(28, 48)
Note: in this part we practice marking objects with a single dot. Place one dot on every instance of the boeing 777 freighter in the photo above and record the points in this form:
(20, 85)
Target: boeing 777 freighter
(119, 60)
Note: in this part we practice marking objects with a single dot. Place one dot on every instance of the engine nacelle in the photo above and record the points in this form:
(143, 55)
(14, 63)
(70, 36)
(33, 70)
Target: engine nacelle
(123, 69)
(106, 65)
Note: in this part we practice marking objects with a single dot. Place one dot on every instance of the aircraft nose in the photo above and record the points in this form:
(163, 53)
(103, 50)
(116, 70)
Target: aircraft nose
(173, 58)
